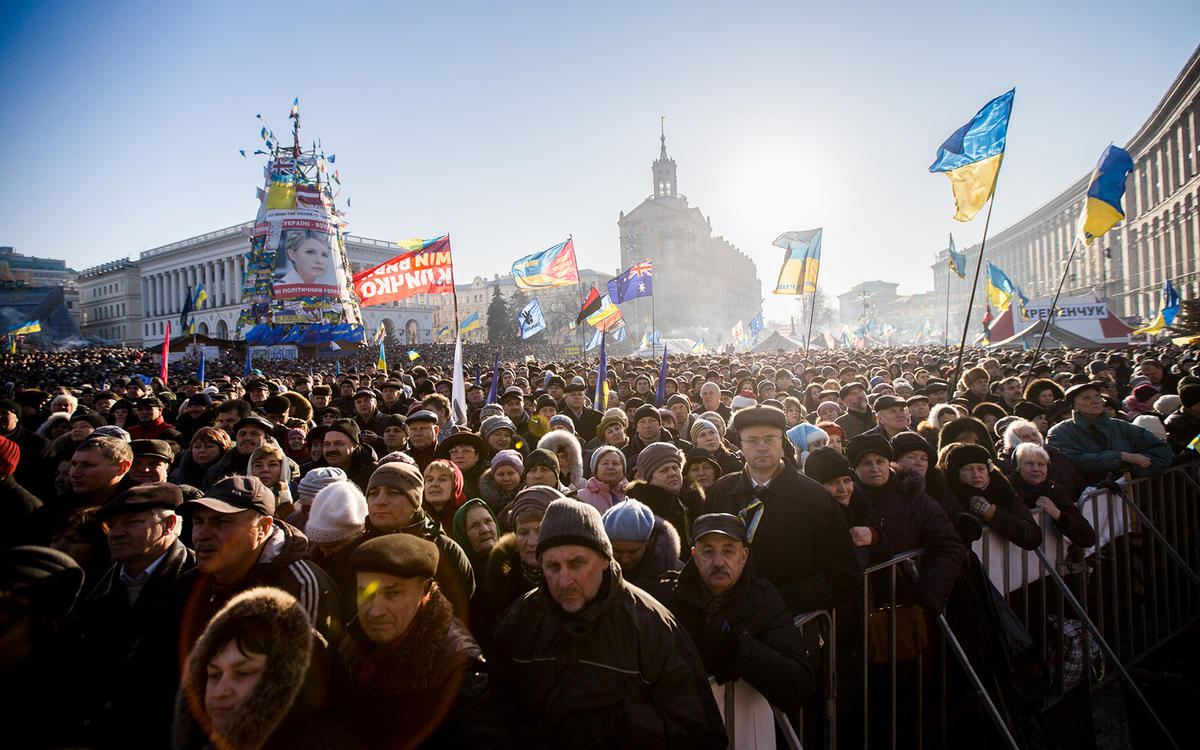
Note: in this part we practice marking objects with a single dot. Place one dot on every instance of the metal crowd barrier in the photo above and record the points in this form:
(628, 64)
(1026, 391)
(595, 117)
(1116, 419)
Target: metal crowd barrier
(1092, 613)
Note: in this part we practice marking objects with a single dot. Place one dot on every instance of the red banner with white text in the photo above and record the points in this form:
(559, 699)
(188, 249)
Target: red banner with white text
(428, 270)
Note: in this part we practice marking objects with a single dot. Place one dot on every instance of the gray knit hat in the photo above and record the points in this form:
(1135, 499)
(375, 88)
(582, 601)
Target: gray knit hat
(316, 480)
(655, 455)
(573, 522)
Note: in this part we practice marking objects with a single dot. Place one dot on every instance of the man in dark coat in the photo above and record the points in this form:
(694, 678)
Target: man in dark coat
(738, 621)
(798, 537)
(858, 417)
(410, 673)
(34, 472)
(1183, 425)
(574, 405)
(590, 661)
(126, 621)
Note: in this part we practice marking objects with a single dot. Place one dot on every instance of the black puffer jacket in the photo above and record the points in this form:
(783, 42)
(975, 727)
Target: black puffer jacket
(619, 673)
(801, 544)
(429, 689)
(910, 519)
(748, 634)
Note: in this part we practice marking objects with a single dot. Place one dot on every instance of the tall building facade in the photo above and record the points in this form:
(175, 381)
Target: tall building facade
(1158, 240)
(703, 285)
(161, 276)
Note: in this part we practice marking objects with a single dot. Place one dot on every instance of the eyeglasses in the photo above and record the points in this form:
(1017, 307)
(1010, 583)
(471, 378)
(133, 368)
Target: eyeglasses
(754, 442)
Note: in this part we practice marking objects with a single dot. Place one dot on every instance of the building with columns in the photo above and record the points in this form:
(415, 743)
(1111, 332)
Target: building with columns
(703, 285)
(162, 275)
(1159, 238)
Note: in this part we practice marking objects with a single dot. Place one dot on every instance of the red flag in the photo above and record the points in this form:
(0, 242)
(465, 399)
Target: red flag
(166, 345)
(590, 305)
(429, 270)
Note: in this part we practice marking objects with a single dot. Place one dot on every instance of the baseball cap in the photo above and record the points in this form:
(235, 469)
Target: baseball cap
(233, 495)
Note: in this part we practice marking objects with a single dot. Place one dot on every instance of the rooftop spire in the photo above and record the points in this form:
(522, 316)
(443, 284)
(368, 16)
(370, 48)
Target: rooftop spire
(662, 137)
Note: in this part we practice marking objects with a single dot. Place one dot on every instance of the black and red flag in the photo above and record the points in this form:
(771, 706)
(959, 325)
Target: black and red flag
(590, 305)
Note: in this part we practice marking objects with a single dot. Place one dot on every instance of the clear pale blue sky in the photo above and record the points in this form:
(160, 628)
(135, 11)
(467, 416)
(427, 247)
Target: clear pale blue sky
(511, 125)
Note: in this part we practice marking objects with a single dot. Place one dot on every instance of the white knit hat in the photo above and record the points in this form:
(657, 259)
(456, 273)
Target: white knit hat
(338, 512)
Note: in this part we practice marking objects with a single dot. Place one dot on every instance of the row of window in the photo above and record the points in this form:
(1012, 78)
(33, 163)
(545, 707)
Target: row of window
(105, 289)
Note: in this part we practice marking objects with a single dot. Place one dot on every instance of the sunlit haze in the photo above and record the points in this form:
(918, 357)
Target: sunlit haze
(513, 125)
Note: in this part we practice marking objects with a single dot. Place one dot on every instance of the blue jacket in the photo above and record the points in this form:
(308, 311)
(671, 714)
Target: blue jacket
(1096, 455)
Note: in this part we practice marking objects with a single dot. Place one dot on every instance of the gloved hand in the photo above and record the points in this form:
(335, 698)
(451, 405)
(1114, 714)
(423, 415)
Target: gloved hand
(968, 527)
(979, 506)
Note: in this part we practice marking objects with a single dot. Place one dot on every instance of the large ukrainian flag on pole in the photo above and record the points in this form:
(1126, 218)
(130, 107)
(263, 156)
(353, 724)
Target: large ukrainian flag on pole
(1000, 289)
(802, 262)
(555, 266)
(1103, 208)
(971, 156)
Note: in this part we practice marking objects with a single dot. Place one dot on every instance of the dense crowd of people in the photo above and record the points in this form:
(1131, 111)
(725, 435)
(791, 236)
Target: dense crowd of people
(318, 555)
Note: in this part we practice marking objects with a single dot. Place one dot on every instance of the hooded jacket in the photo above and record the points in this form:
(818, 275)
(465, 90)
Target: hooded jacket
(573, 471)
(746, 634)
(505, 578)
(621, 672)
(281, 710)
(283, 563)
(661, 557)
(910, 519)
(428, 688)
(498, 499)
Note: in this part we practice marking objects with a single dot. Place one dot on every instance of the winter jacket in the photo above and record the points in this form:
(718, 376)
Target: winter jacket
(600, 495)
(747, 634)
(855, 423)
(188, 426)
(1070, 523)
(285, 709)
(284, 564)
(22, 520)
(498, 500)
(187, 471)
(362, 465)
(35, 471)
(429, 688)
(1182, 428)
(801, 543)
(636, 444)
(573, 471)
(661, 557)
(230, 464)
(621, 672)
(454, 576)
(149, 430)
(1096, 445)
(678, 510)
(586, 423)
(130, 651)
(506, 579)
(1009, 517)
(910, 519)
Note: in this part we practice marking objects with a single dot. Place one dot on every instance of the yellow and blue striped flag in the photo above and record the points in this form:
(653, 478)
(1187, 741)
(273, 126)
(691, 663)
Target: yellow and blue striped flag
(470, 324)
(1000, 290)
(32, 326)
(1103, 207)
(957, 261)
(201, 295)
(382, 362)
(971, 156)
(802, 262)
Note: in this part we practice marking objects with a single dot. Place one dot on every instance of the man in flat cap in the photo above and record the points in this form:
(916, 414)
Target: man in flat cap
(590, 661)
(151, 460)
(412, 673)
(128, 620)
(239, 544)
(738, 621)
(574, 405)
(797, 534)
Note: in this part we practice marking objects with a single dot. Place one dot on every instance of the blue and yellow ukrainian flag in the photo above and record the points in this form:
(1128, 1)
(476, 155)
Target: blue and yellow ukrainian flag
(1000, 290)
(382, 362)
(957, 261)
(802, 262)
(419, 244)
(443, 331)
(470, 324)
(971, 156)
(698, 346)
(413, 354)
(555, 266)
(201, 295)
(380, 334)
(1104, 193)
(32, 326)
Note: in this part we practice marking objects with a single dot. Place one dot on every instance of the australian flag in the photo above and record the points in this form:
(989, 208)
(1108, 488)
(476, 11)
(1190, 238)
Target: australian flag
(638, 281)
